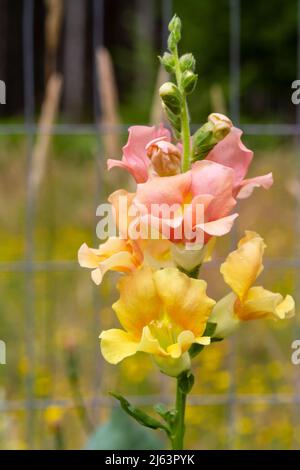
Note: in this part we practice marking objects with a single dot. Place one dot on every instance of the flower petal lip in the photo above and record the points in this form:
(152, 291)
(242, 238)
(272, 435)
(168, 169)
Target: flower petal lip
(247, 186)
(135, 159)
(262, 303)
(116, 254)
(116, 345)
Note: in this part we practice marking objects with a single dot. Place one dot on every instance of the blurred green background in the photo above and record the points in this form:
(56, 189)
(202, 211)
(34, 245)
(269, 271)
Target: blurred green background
(247, 391)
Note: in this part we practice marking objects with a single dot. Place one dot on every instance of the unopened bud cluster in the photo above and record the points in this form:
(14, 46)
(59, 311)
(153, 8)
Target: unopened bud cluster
(183, 68)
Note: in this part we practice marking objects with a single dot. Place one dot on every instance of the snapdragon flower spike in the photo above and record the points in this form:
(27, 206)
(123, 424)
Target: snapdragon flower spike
(163, 313)
(247, 302)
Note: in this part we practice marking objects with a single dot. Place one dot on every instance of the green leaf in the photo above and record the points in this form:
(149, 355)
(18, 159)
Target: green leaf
(168, 415)
(186, 381)
(139, 415)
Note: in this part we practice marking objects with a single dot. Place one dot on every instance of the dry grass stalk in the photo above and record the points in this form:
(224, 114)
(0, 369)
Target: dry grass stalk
(53, 24)
(48, 113)
(217, 99)
(109, 102)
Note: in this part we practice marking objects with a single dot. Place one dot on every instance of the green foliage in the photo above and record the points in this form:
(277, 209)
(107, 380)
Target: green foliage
(186, 381)
(121, 433)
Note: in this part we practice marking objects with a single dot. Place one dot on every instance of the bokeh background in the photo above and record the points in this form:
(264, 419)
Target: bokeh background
(78, 73)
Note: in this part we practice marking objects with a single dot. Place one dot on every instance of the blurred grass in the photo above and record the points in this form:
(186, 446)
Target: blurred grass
(68, 306)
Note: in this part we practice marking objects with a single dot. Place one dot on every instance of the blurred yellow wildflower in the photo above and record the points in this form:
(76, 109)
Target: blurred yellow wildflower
(53, 416)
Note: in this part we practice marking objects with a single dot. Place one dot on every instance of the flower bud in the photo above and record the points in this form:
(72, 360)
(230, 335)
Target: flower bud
(175, 33)
(171, 97)
(165, 157)
(187, 62)
(167, 60)
(215, 118)
(211, 133)
(174, 120)
(222, 125)
(175, 25)
(189, 80)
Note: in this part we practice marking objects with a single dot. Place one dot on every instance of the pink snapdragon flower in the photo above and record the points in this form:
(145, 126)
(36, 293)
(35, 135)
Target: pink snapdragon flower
(208, 185)
(149, 152)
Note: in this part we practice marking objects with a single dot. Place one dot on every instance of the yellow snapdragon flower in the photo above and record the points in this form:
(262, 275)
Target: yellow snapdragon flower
(163, 313)
(240, 270)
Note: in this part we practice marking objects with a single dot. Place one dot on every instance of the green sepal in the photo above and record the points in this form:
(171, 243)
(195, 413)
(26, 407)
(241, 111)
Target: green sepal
(193, 273)
(189, 81)
(169, 416)
(195, 349)
(171, 97)
(203, 141)
(187, 62)
(167, 60)
(175, 121)
(186, 381)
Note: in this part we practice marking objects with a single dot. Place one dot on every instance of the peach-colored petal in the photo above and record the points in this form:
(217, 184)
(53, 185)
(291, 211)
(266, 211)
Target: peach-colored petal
(121, 200)
(221, 226)
(115, 254)
(215, 179)
(135, 158)
(247, 186)
(232, 153)
(164, 190)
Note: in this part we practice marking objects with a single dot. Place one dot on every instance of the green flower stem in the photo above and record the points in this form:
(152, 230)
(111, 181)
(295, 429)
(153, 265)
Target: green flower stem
(177, 441)
(185, 125)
